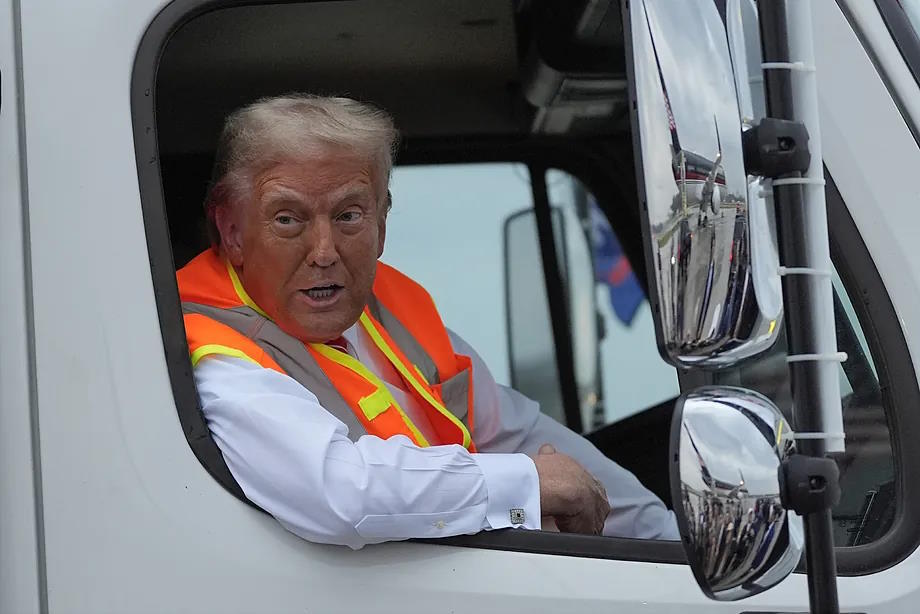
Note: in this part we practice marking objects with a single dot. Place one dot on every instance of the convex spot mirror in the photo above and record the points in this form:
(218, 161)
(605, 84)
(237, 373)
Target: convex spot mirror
(727, 447)
(695, 193)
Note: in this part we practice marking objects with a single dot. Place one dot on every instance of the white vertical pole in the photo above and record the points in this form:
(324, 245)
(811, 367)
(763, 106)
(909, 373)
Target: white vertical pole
(805, 99)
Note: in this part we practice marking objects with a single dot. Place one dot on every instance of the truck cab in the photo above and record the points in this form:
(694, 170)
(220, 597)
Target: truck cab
(515, 203)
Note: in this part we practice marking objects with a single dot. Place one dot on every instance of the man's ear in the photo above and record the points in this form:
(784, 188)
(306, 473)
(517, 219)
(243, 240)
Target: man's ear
(231, 235)
(382, 224)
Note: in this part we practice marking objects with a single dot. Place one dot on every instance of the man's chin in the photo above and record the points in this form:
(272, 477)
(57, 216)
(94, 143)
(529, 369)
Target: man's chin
(320, 329)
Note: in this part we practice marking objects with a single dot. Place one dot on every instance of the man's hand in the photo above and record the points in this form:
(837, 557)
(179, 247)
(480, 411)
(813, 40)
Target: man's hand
(569, 494)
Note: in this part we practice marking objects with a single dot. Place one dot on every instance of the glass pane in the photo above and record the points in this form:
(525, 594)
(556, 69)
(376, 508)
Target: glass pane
(445, 231)
(632, 375)
(531, 343)
(867, 506)
(493, 249)
(867, 503)
(486, 273)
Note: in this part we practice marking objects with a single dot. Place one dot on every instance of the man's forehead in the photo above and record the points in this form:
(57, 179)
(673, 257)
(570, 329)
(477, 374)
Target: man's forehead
(326, 180)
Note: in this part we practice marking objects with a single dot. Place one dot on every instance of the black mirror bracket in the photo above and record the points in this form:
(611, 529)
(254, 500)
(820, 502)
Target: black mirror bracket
(775, 147)
(809, 484)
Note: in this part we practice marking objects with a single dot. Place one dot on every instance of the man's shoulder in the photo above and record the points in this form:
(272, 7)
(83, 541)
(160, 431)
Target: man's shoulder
(391, 281)
(390, 272)
(204, 280)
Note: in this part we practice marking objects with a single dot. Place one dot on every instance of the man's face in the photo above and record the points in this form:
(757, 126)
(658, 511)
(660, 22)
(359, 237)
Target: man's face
(306, 245)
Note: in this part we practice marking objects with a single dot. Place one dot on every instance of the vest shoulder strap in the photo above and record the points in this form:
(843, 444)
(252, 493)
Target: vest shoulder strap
(206, 280)
(208, 337)
(411, 304)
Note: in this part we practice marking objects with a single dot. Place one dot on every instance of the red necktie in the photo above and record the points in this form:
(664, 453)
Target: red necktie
(339, 343)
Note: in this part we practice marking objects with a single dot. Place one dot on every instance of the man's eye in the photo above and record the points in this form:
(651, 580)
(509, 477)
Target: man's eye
(350, 216)
(284, 220)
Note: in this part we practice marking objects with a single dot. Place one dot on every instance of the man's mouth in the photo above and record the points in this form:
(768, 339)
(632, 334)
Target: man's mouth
(323, 293)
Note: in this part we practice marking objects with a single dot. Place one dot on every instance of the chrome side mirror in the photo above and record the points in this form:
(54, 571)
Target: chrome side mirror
(714, 304)
(727, 449)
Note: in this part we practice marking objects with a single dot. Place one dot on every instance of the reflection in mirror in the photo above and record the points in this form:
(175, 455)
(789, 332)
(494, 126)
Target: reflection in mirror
(727, 446)
(531, 348)
(744, 42)
(742, 25)
(710, 311)
(616, 314)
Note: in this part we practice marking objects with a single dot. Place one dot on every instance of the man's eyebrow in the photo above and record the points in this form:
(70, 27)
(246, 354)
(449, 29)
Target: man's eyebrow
(352, 192)
(275, 193)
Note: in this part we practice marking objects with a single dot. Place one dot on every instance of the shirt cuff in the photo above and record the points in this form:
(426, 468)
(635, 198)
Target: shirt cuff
(513, 490)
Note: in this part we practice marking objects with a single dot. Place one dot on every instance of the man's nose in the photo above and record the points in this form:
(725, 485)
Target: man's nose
(321, 237)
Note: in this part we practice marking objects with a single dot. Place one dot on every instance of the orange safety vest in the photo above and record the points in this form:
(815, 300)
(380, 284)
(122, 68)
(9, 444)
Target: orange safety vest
(221, 318)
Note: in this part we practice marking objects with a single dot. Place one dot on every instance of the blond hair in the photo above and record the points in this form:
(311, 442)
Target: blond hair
(296, 127)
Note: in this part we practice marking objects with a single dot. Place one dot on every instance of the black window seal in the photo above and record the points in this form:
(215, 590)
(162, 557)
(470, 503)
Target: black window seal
(571, 544)
(903, 33)
(156, 228)
(580, 162)
(556, 298)
(898, 383)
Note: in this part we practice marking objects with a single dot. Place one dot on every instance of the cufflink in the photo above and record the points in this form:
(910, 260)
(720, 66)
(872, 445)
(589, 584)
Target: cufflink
(517, 515)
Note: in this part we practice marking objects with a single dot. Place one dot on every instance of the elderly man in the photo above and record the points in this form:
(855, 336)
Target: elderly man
(341, 403)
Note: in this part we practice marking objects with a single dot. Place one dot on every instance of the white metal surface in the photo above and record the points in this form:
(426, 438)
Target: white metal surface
(19, 555)
(873, 159)
(133, 522)
(873, 29)
(871, 154)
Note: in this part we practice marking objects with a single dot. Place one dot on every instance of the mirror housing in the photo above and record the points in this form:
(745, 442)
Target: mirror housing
(728, 448)
(532, 354)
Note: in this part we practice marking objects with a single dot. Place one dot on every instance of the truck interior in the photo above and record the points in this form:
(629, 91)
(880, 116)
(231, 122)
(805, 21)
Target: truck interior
(542, 83)
(465, 81)
(538, 82)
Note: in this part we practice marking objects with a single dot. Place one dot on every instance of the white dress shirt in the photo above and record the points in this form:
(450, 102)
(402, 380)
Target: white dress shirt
(293, 459)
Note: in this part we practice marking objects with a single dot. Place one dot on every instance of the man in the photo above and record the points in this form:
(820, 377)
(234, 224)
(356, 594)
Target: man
(341, 403)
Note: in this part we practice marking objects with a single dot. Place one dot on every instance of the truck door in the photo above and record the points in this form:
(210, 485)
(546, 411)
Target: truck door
(118, 156)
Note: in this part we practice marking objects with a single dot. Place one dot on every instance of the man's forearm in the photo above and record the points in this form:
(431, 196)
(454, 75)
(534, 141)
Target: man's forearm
(294, 460)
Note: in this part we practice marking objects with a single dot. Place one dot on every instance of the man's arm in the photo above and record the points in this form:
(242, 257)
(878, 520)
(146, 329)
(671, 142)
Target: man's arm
(293, 459)
(507, 421)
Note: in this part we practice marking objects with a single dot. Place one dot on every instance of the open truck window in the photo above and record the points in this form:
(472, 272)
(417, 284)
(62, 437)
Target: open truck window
(515, 127)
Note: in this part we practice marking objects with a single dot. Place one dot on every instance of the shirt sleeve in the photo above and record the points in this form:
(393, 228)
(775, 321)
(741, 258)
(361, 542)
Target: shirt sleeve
(294, 459)
(507, 421)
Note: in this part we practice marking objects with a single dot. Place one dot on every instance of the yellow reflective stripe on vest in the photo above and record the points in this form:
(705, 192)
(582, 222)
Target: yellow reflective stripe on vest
(213, 348)
(241, 291)
(407, 374)
(377, 402)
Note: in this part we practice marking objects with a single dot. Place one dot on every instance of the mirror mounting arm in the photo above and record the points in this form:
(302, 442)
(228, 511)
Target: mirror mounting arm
(809, 484)
(775, 147)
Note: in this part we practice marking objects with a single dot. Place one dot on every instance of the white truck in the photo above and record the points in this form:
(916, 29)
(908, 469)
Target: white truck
(113, 498)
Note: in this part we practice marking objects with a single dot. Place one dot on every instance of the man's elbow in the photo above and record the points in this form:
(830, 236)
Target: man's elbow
(333, 533)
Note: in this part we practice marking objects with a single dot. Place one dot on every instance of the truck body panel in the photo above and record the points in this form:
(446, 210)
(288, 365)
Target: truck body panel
(112, 512)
